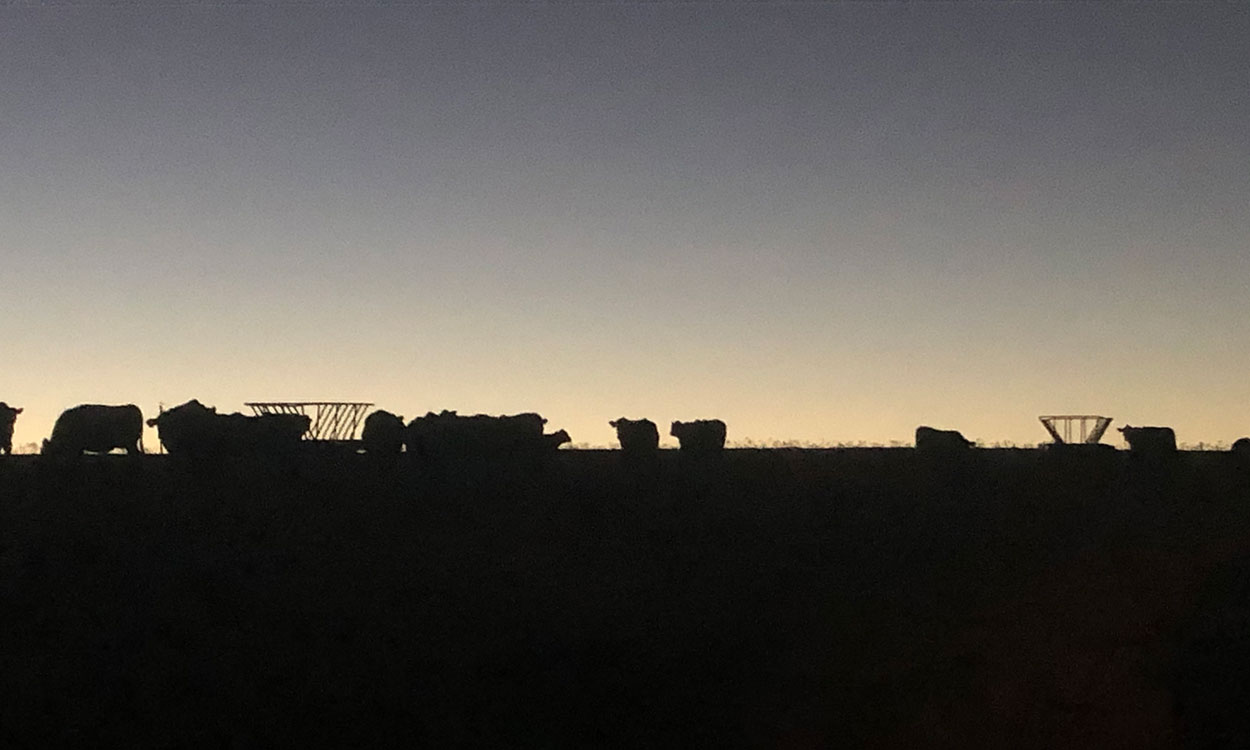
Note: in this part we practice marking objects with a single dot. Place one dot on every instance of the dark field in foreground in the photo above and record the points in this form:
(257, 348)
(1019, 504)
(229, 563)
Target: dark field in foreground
(779, 598)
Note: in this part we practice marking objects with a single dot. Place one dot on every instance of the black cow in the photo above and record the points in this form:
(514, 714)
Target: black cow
(1150, 441)
(932, 441)
(1240, 453)
(96, 428)
(638, 437)
(450, 435)
(383, 433)
(195, 430)
(554, 440)
(8, 415)
(189, 429)
(702, 436)
(277, 433)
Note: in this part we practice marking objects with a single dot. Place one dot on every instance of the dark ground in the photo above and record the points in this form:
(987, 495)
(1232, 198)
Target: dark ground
(780, 598)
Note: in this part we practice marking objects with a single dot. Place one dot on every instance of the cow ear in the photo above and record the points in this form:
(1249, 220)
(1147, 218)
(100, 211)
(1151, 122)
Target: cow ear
(17, 410)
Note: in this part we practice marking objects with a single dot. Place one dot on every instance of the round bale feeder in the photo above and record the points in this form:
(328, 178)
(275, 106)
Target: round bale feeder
(1086, 428)
(334, 423)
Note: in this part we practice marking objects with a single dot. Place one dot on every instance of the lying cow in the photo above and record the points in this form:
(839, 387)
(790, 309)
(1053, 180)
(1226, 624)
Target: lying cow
(931, 441)
(383, 433)
(8, 415)
(638, 437)
(700, 436)
(1149, 441)
(96, 428)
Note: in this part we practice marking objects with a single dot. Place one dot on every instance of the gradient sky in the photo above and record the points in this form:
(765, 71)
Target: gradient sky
(821, 223)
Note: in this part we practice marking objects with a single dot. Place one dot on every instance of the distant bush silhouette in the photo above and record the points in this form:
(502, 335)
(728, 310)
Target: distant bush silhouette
(96, 428)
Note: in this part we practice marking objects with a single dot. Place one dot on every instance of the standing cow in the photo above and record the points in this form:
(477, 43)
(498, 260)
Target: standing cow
(1149, 441)
(195, 430)
(8, 415)
(702, 436)
(932, 441)
(96, 428)
(382, 434)
(638, 437)
(1240, 453)
(188, 429)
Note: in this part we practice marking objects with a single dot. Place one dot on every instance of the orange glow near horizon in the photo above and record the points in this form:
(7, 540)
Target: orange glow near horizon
(962, 215)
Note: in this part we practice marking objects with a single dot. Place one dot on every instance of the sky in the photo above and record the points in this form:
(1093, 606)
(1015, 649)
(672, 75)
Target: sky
(821, 223)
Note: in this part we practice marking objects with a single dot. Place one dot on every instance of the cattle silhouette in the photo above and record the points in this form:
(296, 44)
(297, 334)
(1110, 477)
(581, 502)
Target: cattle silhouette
(280, 433)
(700, 437)
(554, 440)
(195, 430)
(96, 428)
(450, 435)
(188, 429)
(638, 437)
(1240, 454)
(8, 415)
(382, 434)
(933, 441)
(1150, 441)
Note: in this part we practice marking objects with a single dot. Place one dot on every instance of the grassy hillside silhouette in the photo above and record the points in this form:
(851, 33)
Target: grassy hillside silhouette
(769, 598)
